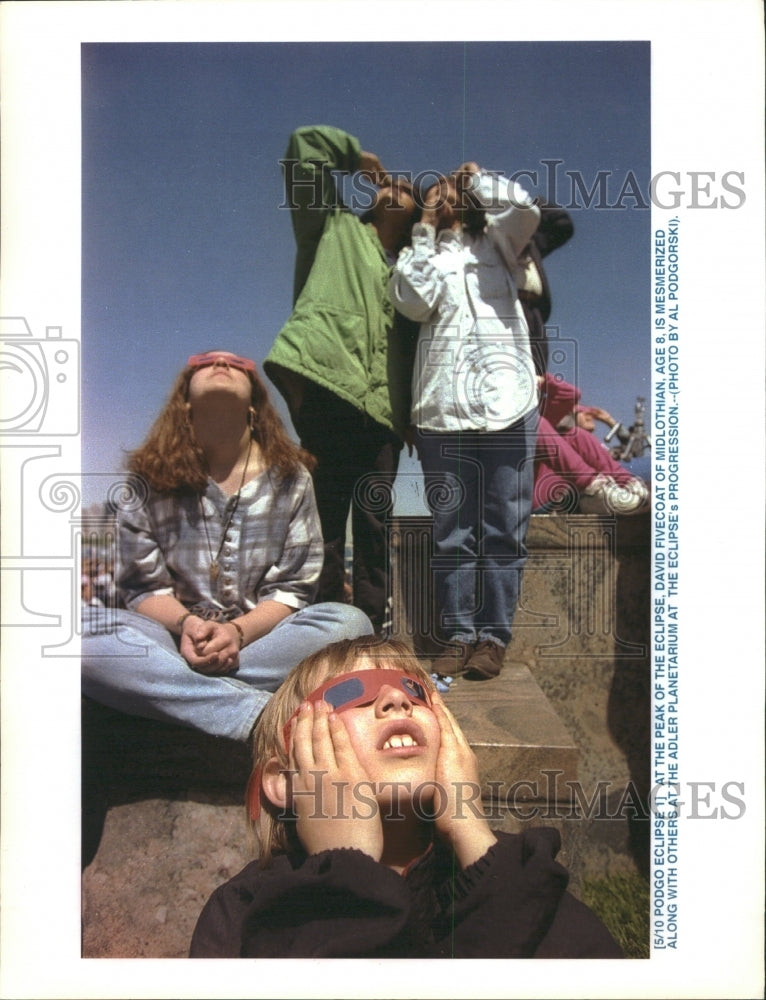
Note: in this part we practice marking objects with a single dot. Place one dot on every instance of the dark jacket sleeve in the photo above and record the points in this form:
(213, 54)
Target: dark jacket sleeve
(337, 904)
(513, 903)
(576, 932)
(556, 227)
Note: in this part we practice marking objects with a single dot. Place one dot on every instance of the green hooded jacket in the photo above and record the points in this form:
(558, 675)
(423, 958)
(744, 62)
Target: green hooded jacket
(343, 333)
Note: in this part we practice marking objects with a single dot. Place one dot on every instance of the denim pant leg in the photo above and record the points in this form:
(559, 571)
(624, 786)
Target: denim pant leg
(507, 461)
(132, 664)
(264, 664)
(451, 477)
(479, 490)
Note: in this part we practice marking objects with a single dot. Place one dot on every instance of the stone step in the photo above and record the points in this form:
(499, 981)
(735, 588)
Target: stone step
(515, 733)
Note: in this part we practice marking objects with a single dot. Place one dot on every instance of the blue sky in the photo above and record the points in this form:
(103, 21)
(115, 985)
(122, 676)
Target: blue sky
(185, 245)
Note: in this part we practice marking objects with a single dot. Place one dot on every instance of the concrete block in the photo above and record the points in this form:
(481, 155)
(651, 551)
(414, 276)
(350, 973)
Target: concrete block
(515, 734)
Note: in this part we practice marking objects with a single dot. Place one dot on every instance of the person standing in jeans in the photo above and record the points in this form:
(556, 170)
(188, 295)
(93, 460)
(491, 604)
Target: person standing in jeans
(474, 405)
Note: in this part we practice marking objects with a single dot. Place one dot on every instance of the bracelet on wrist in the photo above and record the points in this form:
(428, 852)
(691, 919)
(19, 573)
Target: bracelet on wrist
(182, 619)
(241, 633)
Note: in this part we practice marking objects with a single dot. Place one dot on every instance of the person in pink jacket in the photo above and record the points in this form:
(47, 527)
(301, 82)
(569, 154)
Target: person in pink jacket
(572, 469)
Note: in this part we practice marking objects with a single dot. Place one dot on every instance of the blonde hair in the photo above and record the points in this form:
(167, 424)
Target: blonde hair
(272, 833)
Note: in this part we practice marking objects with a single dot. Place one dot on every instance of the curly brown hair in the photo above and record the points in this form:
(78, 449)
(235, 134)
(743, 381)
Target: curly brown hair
(171, 460)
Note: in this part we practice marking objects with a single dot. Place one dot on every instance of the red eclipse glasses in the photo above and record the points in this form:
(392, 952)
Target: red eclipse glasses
(361, 687)
(211, 357)
(343, 692)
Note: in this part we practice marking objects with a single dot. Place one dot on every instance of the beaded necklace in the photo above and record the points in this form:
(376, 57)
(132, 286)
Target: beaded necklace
(215, 569)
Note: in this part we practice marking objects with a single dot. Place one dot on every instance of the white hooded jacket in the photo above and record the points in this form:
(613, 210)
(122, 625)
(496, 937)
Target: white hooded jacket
(473, 368)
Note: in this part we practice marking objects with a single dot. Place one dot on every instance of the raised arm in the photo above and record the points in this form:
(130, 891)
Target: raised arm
(313, 154)
(513, 215)
(556, 227)
(559, 398)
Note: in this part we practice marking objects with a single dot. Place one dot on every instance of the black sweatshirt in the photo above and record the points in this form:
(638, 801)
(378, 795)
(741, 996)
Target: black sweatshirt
(511, 903)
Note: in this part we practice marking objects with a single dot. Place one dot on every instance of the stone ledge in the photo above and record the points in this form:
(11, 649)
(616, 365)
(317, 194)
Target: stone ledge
(585, 589)
(555, 530)
(514, 732)
(123, 754)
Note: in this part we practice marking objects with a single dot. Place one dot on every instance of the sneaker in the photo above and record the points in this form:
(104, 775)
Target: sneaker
(452, 659)
(629, 498)
(605, 496)
(593, 499)
(442, 684)
(639, 487)
(486, 661)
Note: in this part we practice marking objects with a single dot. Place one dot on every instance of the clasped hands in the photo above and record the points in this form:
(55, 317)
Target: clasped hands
(210, 647)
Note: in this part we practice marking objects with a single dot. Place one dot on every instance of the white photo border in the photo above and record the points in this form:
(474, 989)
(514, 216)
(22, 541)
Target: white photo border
(707, 86)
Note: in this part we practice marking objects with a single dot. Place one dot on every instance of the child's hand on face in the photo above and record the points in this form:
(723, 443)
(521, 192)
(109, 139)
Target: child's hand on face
(460, 819)
(331, 792)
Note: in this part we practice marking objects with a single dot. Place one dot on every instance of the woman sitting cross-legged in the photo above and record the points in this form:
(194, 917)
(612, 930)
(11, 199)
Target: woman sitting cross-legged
(220, 551)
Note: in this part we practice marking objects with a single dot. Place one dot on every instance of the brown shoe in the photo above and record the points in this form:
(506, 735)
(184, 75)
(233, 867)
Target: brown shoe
(452, 659)
(486, 661)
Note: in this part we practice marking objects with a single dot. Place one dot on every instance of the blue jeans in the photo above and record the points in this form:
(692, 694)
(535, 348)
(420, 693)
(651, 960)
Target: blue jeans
(132, 663)
(479, 490)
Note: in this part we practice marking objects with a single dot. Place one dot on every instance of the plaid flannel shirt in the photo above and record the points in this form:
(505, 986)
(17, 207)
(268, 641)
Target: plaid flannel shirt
(272, 548)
